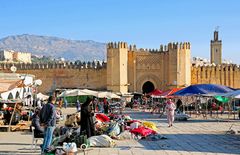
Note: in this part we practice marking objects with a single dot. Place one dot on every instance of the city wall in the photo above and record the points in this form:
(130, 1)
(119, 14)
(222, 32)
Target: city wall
(68, 75)
(228, 75)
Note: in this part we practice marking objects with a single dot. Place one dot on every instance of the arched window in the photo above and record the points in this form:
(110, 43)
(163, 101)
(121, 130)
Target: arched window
(17, 95)
(10, 96)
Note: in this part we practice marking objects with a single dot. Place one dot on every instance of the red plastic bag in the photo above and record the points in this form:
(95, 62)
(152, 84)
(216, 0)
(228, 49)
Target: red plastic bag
(102, 118)
(143, 131)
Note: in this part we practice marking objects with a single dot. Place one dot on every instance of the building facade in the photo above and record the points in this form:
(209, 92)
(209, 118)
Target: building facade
(10, 56)
(142, 70)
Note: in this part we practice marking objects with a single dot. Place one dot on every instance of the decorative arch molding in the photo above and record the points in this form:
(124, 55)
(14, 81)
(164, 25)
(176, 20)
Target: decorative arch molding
(147, 77)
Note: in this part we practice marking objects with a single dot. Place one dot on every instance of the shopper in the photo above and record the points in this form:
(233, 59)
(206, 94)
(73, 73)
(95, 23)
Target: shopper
(170, 108)
(48, 121)
(87, 124)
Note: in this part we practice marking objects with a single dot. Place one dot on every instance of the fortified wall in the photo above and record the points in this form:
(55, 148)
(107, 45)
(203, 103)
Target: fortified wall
(129, 69)
(166, 67)
(91, 75)
(228, 75)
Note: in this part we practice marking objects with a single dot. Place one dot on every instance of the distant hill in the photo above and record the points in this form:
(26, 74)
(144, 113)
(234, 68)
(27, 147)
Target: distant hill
(55, 47)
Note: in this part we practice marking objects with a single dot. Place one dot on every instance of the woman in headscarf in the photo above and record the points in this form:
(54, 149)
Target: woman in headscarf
(170, 108)
(87, 124)
(38, 131)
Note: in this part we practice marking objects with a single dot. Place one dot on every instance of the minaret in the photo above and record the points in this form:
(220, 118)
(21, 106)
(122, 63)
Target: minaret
(216, 49)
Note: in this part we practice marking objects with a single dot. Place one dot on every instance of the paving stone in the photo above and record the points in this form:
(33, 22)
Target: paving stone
(195, 136)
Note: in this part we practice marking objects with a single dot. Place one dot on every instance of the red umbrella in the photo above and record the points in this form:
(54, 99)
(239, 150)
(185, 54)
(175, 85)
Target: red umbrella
(156, 92)
(168, 93)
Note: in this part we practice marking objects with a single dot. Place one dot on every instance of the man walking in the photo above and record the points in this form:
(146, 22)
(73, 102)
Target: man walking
(170, 108)
(48, 121)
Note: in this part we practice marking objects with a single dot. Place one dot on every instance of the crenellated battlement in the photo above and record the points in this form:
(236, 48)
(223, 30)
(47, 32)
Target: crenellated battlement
(132, 47)
(116, 45)
(181, 45)
(217, 67)
(166, 48)
(163, 48)
(67, 65)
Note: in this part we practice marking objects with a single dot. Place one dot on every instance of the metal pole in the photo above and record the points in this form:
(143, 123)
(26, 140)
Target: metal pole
(228, 110)
(206, 108)
(9, 125)
(234, 106)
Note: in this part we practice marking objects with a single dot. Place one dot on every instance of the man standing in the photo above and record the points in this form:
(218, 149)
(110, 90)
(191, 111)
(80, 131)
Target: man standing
(48, 120)
(77, 104)
(65, 103)
(170, 108)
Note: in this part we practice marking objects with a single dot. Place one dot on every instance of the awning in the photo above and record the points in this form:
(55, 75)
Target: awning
(6, 85)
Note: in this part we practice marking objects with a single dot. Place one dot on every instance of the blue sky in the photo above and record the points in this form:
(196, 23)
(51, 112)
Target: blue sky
(144, 23)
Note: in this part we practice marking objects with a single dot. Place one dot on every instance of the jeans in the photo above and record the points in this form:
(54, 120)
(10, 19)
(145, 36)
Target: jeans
(48, 134)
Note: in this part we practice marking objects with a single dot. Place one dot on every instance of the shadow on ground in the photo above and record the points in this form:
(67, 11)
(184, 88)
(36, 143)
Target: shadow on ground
(209, 142)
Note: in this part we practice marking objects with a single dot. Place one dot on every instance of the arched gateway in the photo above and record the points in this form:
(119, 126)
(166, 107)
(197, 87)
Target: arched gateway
(148, 87)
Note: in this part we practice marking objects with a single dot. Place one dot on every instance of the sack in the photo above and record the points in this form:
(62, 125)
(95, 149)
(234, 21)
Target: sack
(101, 141)
(124, 135)
(69, 147)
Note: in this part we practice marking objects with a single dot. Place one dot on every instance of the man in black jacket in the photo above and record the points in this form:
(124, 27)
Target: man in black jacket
(48, 120)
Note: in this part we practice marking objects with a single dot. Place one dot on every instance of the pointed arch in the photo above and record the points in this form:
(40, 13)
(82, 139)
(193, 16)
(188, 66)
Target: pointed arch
(17, 95)
(10, 96)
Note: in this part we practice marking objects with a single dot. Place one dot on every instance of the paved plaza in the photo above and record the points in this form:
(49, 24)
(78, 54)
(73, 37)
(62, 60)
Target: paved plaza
(196, 136)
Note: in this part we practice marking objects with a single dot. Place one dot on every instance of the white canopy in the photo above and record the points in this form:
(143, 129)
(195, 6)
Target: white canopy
(42, 96)
(108, 95)
(90, 92)
(74, 92)
(238, 96)
(86, 92)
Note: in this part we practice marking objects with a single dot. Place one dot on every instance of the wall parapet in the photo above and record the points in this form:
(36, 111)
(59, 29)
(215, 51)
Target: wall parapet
(218, 67)
(181, 45)
(65, 65)
(116, 45)
(163, 48)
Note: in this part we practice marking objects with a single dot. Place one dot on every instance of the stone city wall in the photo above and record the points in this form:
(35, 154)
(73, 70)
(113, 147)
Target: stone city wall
(69, 75)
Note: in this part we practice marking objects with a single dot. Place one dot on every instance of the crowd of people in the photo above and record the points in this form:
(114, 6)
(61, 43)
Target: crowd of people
(44, 120)
(45, 116)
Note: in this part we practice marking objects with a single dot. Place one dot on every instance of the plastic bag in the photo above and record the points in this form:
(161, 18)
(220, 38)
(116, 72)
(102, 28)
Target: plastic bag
(134, 125)
(114, 130)
(69, 147)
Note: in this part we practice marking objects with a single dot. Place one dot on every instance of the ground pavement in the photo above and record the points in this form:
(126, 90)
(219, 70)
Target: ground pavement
(196, 136)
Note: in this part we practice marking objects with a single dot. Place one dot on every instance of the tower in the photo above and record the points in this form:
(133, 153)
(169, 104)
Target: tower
(216, 49)
(117, 67)
(179, 64)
